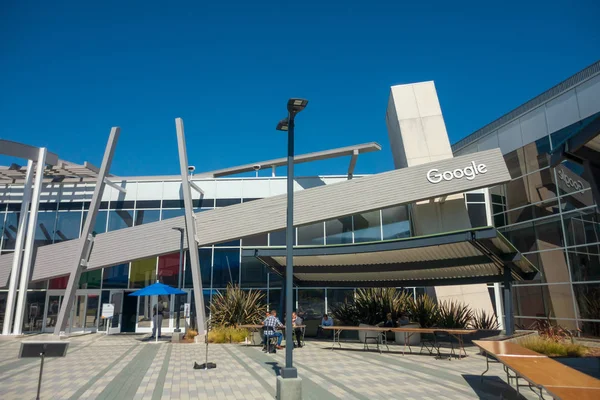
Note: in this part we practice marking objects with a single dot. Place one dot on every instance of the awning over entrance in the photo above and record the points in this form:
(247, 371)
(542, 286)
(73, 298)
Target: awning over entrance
(455, 258)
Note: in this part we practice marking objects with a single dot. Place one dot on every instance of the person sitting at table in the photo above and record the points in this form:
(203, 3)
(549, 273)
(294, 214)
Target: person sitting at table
(296, 323)
(325, 321)
(389, 322)
(271, 323)
(403, 320)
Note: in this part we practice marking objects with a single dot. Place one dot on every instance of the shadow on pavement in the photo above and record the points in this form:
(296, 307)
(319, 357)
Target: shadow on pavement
(275, 366)
(492, 387)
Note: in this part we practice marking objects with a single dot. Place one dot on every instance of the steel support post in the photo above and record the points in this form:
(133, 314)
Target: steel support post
(86, 239)
(190, 227)
(18, 254)
(289, 371)
(29, 241)
(508, 306)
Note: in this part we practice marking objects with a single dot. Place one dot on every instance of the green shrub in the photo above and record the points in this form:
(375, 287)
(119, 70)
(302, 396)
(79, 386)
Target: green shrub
(552, 348)
(227, 334)
(237, 307)
(455, 315)
(483, 320)
(424, 310)
(371, 306)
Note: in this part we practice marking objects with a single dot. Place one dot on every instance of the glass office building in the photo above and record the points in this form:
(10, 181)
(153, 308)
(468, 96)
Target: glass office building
(550, 213)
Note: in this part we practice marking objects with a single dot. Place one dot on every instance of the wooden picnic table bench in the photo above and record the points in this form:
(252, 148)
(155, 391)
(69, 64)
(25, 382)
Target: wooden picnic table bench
(540, 371)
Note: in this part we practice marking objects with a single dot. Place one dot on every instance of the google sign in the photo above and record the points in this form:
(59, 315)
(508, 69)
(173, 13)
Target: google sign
(470, 172)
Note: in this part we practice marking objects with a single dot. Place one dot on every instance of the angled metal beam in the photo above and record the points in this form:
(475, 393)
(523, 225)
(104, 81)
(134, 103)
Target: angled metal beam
(20, 150)
(190, 227)
(115, 186)
(196, 187)
(18, 254)
(86, 240)
(29, 241)
(352, 163)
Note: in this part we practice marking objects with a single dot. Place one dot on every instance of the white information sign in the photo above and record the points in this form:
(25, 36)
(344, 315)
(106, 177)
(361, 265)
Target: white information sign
(108, 310)
(186, 310)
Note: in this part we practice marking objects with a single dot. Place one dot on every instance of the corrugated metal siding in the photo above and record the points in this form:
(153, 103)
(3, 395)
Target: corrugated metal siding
(312, 205)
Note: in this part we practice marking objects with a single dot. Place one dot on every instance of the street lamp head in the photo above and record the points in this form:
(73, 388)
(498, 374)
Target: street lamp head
(178, 229)
(283, 125)
(294, 106)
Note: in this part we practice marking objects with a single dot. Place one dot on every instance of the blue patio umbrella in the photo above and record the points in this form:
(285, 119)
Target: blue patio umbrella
(157, 289)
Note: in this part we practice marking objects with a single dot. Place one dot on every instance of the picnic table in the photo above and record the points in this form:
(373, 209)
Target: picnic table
(456, 333)
(258, 327)
(540, 371)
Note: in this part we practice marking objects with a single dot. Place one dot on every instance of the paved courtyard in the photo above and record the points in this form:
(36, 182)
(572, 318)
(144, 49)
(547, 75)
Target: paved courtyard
(126, 367)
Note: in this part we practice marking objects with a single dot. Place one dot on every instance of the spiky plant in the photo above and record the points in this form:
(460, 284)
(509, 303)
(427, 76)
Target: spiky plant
(424, 310)
(345, 313)
(371, 306)
(453, 314)
(238, 306)
(483, 320)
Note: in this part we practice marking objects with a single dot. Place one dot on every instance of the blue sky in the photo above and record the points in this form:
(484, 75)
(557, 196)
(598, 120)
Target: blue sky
(71, 70)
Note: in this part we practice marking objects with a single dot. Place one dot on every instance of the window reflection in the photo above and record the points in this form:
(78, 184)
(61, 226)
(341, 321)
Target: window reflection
(116, 277)
(120, 219)
(338, 231)
(67, 226)
(146, 216)
(367, 227)
(205, 256)
(311, 234)
(311, 304)
(90, 279)
(143, 273)
(254, 273)
(168, 269)
(226, 267)
(9, 234)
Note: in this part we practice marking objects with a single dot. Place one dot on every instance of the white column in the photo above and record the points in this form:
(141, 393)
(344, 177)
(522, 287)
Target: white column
(29, 242)
(18, 254)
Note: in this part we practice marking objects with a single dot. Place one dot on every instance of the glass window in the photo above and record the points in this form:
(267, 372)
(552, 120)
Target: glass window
(91, 314)
(588, 296)
(173, 204)
(475, 197)
(168, 269)
(311, 234)
(37, 285)
(231, 243)
(336, 297)
(45, 228)
(3, 301)
(90, 279)
(311, 304)
(226, 267)
(395, 222)
(205, 268)
(522, 236)
(34, 308)
(541, 186)
(338, 231)
(256, 240)
(546, 208)
(515, 161)
(549, 233)
(517, 193)
(498, 194)
(120, 219)
(178, 212)
(140, 204)
(145, 311)
(254, 273)
(227, 202)
(116, 277)
(143, 273)
(146, 216)
(582, 227)
(100, 225)
(585, 263)
(367, 227)
(277, 238)
(477, 214)
(58, 283)
(537, 154)
(68, 226)
(520, 214)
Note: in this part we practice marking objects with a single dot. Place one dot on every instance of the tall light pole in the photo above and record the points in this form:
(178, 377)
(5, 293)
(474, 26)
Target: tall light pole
(294, 106)
(179, 277)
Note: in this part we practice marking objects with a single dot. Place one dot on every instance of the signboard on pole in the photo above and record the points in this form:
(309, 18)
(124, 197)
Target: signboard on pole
(186, 310)
(108, 310)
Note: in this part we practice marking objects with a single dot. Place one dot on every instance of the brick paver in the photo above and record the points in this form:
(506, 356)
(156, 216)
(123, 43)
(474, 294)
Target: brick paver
(127, 367)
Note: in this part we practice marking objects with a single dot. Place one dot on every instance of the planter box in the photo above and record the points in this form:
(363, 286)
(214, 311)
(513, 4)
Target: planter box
(587, 365)
(482, 334)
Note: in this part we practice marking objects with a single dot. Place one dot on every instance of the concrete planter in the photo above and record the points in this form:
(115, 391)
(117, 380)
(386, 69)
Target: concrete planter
(413, 340)
(482, 334)
(587, 365)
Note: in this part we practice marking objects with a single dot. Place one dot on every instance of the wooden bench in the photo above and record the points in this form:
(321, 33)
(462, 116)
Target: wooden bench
(540, 372)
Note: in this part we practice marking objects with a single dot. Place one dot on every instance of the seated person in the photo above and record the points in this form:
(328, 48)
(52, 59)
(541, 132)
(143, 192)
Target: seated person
(271, 323)
(296, 323)
(403, 320)
(389, 322)
(325, 321)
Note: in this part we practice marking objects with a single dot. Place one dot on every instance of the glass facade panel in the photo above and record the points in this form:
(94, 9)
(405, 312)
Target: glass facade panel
(537, 154)
(145, 311)
(277, 238)
(254, 273)
(336, 297)
(312, 235)
(91, 314)
(44, 231)
(226, 267)
(146, 216)
(116, 277)
(68, 226)
(120, 219)
(58, 283)
(522, 236)
(367, 227)
(143, 273)
(517, 192)
(90, 279)
(205, 256)
(338, 231)
(168, 269)
(515, 161)
(585, 263)
(178, 212)
(54, 303)
(541, 186)
(395, 222)
(100, 225)
(549, 233)
(477, 214)
(588, 301)
(3, 301)
(256, 240)
(34, 311)
(311, 303)
(582, 227)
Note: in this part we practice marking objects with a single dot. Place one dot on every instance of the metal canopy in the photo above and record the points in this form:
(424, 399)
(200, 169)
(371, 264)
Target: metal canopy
(54, 173)
(462, 257)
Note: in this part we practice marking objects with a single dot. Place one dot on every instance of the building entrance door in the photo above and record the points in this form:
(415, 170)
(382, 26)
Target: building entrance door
(54, 301)
(129, 314)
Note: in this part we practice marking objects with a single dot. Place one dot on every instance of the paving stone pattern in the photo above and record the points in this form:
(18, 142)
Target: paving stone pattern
(128, 367)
